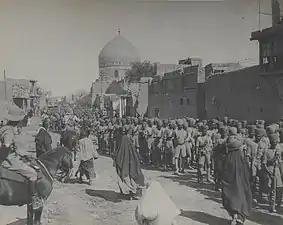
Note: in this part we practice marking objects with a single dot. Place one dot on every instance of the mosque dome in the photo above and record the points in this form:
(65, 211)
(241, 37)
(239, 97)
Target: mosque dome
(119, 51)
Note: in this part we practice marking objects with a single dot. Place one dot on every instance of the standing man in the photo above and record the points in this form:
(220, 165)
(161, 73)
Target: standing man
(150, 140)
(43, 140)
(180, 147)
(204, 150)
(250, 155)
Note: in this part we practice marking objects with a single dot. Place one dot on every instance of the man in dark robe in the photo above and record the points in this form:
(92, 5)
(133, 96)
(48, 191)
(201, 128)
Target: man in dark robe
(43, 140)
(236, 191)
(127, 163)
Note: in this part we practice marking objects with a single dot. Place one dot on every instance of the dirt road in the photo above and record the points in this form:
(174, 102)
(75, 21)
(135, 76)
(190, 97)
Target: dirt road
(80, 204)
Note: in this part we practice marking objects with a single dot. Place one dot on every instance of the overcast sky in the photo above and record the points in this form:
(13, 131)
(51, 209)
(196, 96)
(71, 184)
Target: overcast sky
(58, 41)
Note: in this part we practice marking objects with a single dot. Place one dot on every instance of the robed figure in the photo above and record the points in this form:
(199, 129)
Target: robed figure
(43, 140)
(127, 163)
(235, 178)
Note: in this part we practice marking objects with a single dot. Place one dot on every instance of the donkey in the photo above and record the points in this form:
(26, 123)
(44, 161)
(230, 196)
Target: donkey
(14, 189)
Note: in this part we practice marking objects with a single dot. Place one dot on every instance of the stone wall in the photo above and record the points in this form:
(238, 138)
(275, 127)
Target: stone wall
(175, 95)
(245, 94)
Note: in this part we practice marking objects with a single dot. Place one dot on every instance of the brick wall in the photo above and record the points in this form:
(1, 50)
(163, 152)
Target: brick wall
(244, 94)
(175, 95)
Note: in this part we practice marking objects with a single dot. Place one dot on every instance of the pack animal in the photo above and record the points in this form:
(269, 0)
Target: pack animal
(14, 189)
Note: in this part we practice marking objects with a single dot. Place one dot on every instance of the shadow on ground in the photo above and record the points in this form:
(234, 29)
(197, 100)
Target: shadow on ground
(190, 179)
(266, 218)
(75, 181)
(18, 222)
(107, 195)
(204, 218)
(260, 216)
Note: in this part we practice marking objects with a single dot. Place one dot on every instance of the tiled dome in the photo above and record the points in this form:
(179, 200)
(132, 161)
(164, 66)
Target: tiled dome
(119, 51)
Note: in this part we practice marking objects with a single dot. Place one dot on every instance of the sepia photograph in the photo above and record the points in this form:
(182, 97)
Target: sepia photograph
(141, 112)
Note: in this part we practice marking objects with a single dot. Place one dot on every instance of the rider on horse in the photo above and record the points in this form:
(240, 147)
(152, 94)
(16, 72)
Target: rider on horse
(10, 159)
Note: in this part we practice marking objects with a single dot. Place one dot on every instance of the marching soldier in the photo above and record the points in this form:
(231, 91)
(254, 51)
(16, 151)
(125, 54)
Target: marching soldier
(250, 154)
(219, 152)
(180, 148)
(168, 146)
(157, 135)
(135, 134)
(150, 140)
(263, 145)
(271, 160)
(204, 149)
(189, 143)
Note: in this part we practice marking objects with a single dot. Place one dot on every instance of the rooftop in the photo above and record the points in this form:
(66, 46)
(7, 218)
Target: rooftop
(276, 29)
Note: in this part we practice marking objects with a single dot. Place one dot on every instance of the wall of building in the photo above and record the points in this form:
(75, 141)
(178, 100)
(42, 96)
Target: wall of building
(244, 94)
(217, 68)
(110, 74)
(165, 68)
(174, 95)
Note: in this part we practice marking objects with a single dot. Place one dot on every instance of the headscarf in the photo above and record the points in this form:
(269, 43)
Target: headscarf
(234, 143)
(127, 162)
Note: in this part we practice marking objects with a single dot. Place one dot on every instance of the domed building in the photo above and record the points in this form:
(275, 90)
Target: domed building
(114, 60)
(116, 57)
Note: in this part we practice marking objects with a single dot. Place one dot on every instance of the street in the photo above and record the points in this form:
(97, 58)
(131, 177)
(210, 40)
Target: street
(75, 204)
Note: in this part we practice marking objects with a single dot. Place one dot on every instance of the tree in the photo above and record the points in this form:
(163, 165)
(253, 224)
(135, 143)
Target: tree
(141, 69)
(83, 99)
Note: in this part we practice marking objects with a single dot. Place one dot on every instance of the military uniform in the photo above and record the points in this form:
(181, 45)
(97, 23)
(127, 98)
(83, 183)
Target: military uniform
(250, 156)
(204, 149)
(180, 147)
(11, 160)
(189, 143)
(219, 152)
(150, 140)
(168, 146)
(263, 145)
(135, 133)
(271, 161)
(157, 135)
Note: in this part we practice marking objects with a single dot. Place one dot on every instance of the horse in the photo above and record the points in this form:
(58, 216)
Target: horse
(14, 189)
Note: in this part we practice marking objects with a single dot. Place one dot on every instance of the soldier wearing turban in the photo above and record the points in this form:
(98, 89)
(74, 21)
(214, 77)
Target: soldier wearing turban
(180, 147)
(271, 163)
(204, 149)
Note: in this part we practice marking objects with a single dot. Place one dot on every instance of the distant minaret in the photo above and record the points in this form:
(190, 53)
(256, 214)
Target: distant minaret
(119, 31)
(275, 6)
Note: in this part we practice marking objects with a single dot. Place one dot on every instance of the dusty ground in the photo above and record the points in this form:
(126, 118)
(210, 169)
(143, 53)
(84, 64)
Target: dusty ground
(79, 204)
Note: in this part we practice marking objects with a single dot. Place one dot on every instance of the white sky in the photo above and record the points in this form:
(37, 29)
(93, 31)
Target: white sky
(58, 41)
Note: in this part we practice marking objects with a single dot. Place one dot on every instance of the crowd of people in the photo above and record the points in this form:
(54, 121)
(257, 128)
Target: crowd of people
(242, 160)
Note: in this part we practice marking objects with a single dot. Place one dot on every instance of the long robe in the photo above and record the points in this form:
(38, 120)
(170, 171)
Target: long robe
(128, 167)
(236, 191)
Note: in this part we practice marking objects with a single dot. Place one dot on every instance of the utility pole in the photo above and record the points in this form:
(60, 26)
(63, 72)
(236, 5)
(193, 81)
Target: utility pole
(259, 14)
(5, 80)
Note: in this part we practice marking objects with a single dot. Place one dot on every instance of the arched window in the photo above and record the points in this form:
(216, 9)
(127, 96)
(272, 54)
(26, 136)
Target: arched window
(116, 74)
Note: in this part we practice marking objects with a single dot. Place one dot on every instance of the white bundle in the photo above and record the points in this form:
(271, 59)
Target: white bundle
(156, 208)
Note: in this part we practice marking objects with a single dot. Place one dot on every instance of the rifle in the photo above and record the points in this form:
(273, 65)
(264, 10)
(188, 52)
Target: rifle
(274, 184)
(197, 153)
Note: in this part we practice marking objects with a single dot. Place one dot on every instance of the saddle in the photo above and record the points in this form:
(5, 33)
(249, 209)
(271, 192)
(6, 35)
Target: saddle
(8, 175)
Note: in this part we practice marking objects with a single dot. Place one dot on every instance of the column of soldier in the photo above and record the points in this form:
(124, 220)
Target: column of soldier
(187, 143)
